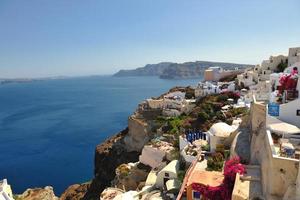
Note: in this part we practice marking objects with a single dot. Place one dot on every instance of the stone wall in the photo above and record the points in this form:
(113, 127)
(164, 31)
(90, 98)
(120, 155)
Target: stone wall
(294, 56)
(278, 173)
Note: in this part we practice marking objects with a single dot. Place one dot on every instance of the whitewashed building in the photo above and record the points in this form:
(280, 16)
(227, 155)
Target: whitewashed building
(261, 72)
(219, 133)
(172, 104)
(208, 87)
(169, 172)
(269, 66)
(290, 111)
(217, 73)
(246, 79)
(5, 191)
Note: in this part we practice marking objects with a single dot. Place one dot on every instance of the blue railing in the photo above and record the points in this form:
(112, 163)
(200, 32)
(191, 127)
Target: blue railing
(191, 136)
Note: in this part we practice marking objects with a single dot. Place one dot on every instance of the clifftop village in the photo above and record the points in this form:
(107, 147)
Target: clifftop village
(235, 135)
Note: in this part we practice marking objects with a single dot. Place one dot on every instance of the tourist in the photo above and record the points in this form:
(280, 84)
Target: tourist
(294, 71)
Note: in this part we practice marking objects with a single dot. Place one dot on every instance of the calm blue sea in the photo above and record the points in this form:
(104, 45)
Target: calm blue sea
(49, 129)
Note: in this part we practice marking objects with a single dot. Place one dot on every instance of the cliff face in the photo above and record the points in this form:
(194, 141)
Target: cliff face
(147, 70)
(168, 70)
(108, 156)
(124, 147)
(137, 134)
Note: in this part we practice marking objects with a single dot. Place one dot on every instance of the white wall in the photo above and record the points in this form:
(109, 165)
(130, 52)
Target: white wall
(214, 141)
(287, 112)
(182, 142)
(172, 173)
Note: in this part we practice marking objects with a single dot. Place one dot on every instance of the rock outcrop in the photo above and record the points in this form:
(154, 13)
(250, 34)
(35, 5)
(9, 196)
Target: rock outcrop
(241, 143)
(138, 134)
(37, 194)
(78, 192)
(131, 176)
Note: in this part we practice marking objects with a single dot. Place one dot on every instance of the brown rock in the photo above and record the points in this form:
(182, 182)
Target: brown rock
(37, 194)
(129, 176)
(76, 192)
(138, 134)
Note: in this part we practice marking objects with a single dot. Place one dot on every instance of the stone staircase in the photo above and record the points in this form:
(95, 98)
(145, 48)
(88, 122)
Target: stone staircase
(248, 186)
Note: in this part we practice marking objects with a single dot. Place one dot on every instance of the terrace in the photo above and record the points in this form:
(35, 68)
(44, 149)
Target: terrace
(285, 138)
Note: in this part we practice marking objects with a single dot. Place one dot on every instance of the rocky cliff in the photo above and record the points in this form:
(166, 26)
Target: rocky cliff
(147, 70)
(37, 194)
(124, 147)
(169, 70)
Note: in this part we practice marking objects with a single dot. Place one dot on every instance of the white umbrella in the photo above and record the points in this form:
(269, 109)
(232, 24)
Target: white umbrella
(283, 128)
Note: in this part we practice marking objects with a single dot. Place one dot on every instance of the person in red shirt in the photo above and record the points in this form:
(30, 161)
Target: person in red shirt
(294, 71)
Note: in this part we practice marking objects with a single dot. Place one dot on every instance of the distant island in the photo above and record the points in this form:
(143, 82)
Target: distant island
(170, 70)
(28, 80)
(16, 80)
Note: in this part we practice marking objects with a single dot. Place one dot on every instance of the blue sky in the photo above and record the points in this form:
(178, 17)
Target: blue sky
(82, 37)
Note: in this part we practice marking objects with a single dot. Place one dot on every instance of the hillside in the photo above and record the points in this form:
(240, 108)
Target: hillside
(169, 70)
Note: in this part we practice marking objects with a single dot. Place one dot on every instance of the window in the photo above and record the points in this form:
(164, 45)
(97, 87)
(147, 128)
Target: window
(167, 175)
(196, 195)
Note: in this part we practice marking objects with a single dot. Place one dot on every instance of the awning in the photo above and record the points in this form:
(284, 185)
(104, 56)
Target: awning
(283, 128)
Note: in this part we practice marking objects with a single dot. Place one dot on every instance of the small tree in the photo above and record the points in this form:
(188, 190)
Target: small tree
(281, 66)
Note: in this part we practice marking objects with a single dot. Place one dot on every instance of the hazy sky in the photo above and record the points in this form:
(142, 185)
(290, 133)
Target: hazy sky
(82, 37)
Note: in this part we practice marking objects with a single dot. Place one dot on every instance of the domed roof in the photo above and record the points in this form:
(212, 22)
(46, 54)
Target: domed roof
(221, 129)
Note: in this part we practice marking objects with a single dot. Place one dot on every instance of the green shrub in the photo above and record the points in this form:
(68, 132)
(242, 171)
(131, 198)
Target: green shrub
(222, 98)
(181, 175)
(175, 123)
(281, 66)
(226, 154)
(161, 119)
(205, 147)
(220, 116)
(202, 116)
(238, 111)
(215, 162)
(175, 154)
(208, 108)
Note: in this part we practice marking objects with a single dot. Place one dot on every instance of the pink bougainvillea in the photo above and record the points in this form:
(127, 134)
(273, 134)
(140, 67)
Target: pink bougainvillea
(223, 191)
